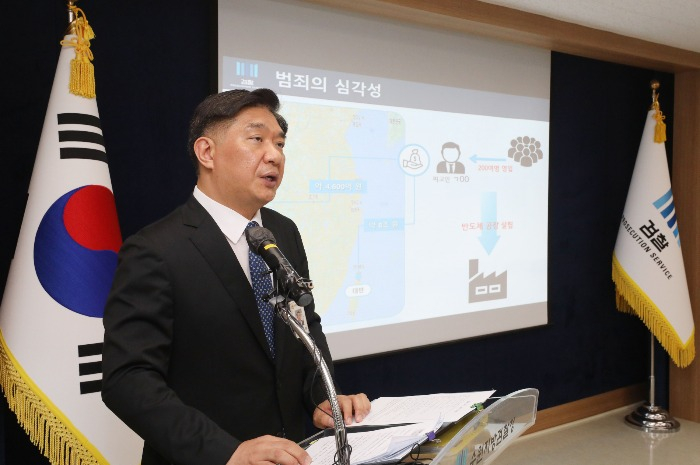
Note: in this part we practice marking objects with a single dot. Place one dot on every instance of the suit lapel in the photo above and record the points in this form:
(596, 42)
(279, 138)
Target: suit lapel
(214, 247)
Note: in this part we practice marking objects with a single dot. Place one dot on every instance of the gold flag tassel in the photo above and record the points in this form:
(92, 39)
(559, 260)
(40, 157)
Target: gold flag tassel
(46, 427)
(630, 298)
(82, 72)
(660, 129)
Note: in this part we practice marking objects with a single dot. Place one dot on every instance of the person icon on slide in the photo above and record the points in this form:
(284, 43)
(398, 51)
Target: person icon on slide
(450, 153)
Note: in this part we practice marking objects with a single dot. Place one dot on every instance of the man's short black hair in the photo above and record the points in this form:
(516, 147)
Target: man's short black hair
(220, 109)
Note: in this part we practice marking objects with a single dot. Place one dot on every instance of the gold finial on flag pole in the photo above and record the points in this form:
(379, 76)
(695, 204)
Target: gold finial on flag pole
(82, 72)
(654, 95)
(660, 130)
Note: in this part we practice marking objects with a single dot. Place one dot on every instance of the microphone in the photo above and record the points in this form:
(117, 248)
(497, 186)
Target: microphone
(262, 242)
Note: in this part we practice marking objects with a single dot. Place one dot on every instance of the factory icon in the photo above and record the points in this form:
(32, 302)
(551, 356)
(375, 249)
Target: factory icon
(483, 288)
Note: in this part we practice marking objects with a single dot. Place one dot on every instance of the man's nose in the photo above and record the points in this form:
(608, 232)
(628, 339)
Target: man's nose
(273, 153)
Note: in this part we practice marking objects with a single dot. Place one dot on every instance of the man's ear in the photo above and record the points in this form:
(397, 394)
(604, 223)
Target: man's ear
(204, 149)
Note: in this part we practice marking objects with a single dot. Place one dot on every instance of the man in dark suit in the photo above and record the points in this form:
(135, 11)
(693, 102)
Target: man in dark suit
(450, 153)
(186, 361)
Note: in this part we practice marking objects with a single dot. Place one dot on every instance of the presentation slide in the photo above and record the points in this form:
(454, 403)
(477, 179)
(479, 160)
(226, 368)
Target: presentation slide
(423, 208)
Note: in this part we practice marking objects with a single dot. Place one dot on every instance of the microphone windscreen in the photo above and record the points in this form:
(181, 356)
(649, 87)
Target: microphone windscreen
(258, 235)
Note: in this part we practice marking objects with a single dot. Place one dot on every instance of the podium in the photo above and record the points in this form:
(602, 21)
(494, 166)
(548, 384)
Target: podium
(489, 431)
(476, 439)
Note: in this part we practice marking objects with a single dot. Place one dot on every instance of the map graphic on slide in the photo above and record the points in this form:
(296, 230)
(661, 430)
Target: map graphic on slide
(358, 182)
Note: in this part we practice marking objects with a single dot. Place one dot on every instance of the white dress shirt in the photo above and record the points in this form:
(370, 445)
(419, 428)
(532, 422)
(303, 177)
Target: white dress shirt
(232, 224)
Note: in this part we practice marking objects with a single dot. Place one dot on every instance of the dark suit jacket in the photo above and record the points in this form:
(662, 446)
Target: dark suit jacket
(443, 167)
(185, 360)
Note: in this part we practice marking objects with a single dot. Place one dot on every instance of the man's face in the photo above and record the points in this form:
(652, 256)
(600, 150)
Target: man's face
(450, 154)
(247, 163)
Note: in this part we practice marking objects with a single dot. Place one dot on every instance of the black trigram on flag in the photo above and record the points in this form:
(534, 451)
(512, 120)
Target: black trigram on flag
(87, 370)
(80, 136)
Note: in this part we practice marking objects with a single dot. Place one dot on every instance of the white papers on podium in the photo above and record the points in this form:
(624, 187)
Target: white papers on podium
(395, 425)
(447, 408)
(376, 446)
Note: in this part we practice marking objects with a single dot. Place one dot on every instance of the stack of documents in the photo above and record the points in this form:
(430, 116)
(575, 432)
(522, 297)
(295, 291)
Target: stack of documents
(375, 446)
(396, 424)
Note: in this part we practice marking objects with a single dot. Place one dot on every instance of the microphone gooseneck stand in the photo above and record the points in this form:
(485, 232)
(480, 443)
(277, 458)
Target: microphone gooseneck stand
(341, 439)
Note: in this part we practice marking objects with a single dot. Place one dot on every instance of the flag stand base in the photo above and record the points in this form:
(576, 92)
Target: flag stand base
(652, 419)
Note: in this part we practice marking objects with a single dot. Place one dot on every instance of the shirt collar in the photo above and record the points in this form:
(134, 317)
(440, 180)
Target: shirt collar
(231, 223)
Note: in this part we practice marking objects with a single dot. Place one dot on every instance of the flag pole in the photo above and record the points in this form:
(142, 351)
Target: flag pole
(650, 417)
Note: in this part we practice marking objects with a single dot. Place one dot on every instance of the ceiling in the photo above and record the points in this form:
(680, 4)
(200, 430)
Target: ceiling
(668, 22)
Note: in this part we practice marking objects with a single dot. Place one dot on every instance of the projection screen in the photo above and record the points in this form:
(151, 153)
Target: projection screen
(416, 169)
